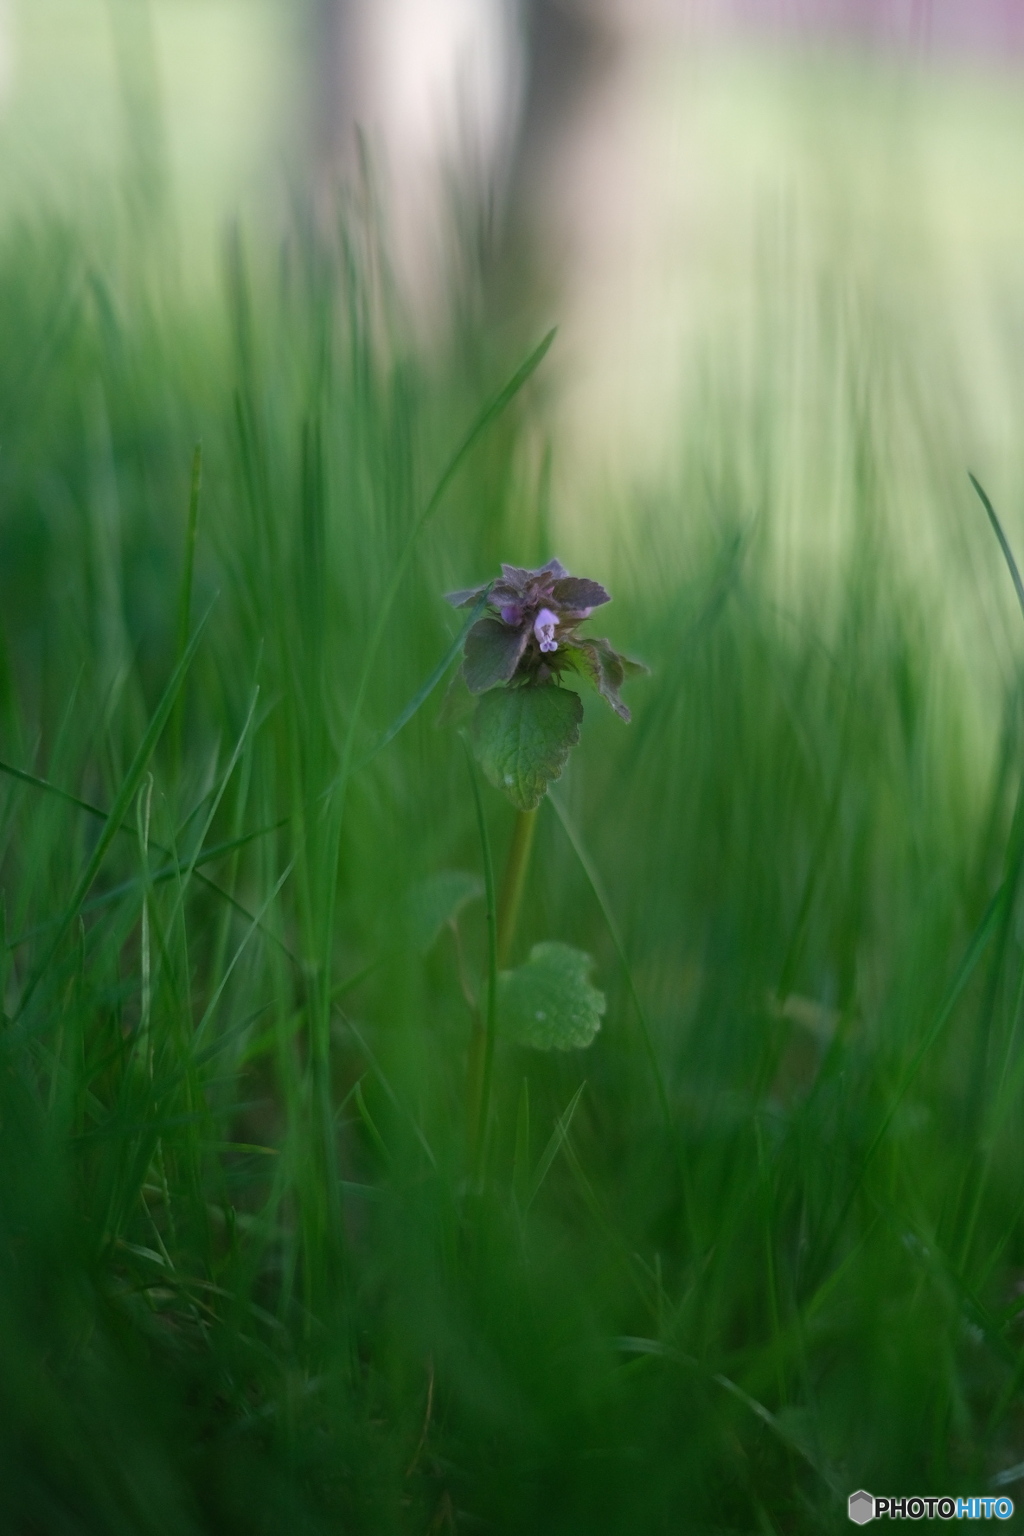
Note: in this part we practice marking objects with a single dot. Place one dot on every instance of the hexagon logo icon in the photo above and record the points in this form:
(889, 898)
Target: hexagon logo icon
(861, 1507)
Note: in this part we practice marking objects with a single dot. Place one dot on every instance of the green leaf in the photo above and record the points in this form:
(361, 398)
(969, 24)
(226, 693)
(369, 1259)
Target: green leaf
(549, 1002)
(493, 650)
(607, 670)
(522, 738)
(435, 901)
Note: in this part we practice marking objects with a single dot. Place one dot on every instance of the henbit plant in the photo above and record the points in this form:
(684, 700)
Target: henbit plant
(523, 729)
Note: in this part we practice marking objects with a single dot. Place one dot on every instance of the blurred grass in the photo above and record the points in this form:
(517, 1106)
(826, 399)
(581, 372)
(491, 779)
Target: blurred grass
(246, 1283)
(195, 109)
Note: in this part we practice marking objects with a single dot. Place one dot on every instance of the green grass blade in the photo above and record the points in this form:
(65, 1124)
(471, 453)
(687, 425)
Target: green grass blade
(954, 992)
(185, 591)
(1004, 543)
(254, 926)
(597, 886)
(423, 694)
(118, 811)
(556, 1141)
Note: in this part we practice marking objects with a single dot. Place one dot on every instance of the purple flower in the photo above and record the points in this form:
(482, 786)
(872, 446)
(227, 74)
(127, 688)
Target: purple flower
(515, 644)
(544, 629)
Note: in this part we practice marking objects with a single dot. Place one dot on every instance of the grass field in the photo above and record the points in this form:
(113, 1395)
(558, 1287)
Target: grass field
(761, 1243)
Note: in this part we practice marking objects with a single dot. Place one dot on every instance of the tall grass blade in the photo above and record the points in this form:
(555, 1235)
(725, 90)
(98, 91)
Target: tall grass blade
(126, 793)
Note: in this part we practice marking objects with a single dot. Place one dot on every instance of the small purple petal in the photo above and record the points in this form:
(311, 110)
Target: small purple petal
(512, 613)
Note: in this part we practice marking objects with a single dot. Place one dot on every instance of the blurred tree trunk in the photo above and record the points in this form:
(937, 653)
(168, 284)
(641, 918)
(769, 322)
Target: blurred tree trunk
(570, 46)
(332, 53)
(566, 47)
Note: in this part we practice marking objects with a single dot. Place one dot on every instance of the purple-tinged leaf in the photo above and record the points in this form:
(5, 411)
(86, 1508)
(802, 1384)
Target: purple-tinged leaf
(607, 670)
(516, 578)
(492, 654)
(578, 592)
(503, 595)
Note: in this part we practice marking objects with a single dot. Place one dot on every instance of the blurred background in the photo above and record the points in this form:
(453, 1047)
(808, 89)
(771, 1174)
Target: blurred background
(242, 1266)
(649, 165)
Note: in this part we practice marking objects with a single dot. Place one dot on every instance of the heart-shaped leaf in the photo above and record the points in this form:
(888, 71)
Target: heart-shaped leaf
(522, 737)
(492, 653)
(549, 1003)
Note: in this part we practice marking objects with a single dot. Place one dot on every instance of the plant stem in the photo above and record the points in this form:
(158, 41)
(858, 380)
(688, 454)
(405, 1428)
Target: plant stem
(502, 932)
(501, 926)
(514, 882)
(481, 1044)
